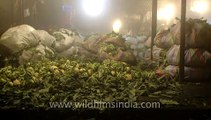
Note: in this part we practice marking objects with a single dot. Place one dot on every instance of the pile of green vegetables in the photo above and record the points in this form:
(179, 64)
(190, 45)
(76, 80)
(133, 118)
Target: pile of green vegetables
(35, 84)
(109, 48)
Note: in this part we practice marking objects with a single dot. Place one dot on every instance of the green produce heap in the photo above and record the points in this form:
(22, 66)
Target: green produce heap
(34, 85)
(109, 48)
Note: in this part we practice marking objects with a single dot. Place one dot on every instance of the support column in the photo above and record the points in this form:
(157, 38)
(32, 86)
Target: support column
(154, 25)
(182, 41)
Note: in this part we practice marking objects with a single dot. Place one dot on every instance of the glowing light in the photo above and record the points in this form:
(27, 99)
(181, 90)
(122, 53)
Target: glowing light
(117, 25)
(166, 13)
(93, 7)
(199, 6)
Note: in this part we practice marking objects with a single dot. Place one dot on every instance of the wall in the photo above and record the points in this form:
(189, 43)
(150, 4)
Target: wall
(5, 15)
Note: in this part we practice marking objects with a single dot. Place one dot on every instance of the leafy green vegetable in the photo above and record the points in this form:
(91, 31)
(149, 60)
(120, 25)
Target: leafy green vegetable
(35, 84)
(109, 48)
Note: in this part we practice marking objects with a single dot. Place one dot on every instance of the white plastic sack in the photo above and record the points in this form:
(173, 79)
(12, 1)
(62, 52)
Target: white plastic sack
(164, 39)
(131, 41)
(141, 38)
(156, 53)
(197, 34)
(135, 41)
(46, 39)
(19, 38)
(35, 54)
(63, 42)
(193, 57)
(65, 39)
(75, 50)
(173, 55)
(69, 52)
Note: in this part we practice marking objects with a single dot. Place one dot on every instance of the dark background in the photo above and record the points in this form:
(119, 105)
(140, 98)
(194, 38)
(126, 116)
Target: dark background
(50, 13)
(45, 14)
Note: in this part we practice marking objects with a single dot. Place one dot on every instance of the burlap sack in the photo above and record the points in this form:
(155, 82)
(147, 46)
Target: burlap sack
(19, 38)
(197, 34)
(164, 39)
(46, 39)
(36, 53)
(66, 39)
(125, 56)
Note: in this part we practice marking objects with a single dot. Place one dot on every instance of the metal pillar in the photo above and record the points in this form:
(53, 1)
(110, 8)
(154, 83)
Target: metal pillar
(182, 40)
(154, 24)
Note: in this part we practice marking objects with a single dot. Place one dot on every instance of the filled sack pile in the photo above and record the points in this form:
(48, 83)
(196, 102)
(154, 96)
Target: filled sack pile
(197, 49)
(28, 44)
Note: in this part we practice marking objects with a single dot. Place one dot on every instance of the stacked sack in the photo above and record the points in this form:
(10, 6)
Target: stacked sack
(158, 52)
(197, 53)
(68, 43)
(26, 43)
(136, 43)
(141, 46)
(23, 43)
(110, 46)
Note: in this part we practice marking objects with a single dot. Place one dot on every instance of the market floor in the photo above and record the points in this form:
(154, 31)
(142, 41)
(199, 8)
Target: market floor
(192, 91)
(197, 91)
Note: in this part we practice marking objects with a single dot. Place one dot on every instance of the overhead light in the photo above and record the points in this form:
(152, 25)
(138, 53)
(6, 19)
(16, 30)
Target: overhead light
(93, 7)
(117, 25)
(167, 12)
(199, 6)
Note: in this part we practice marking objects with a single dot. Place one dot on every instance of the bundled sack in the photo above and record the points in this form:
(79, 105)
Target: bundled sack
(164, 39)
(157, 53)
(116, 40)
(46, 39)
(190, 73)
(193, 57)
(110, 46)
(118, 55)
(114, 47)
(173, 55)
(141, 39)
(36, 53)
(65, 39)
(75, 50)
(19, 38)
(69, 52)
(139, 51)
(197, 34)
(148, 42)
(91, 43)
(134, 40)
(200, 36)
(136, 43)
(189, 37)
